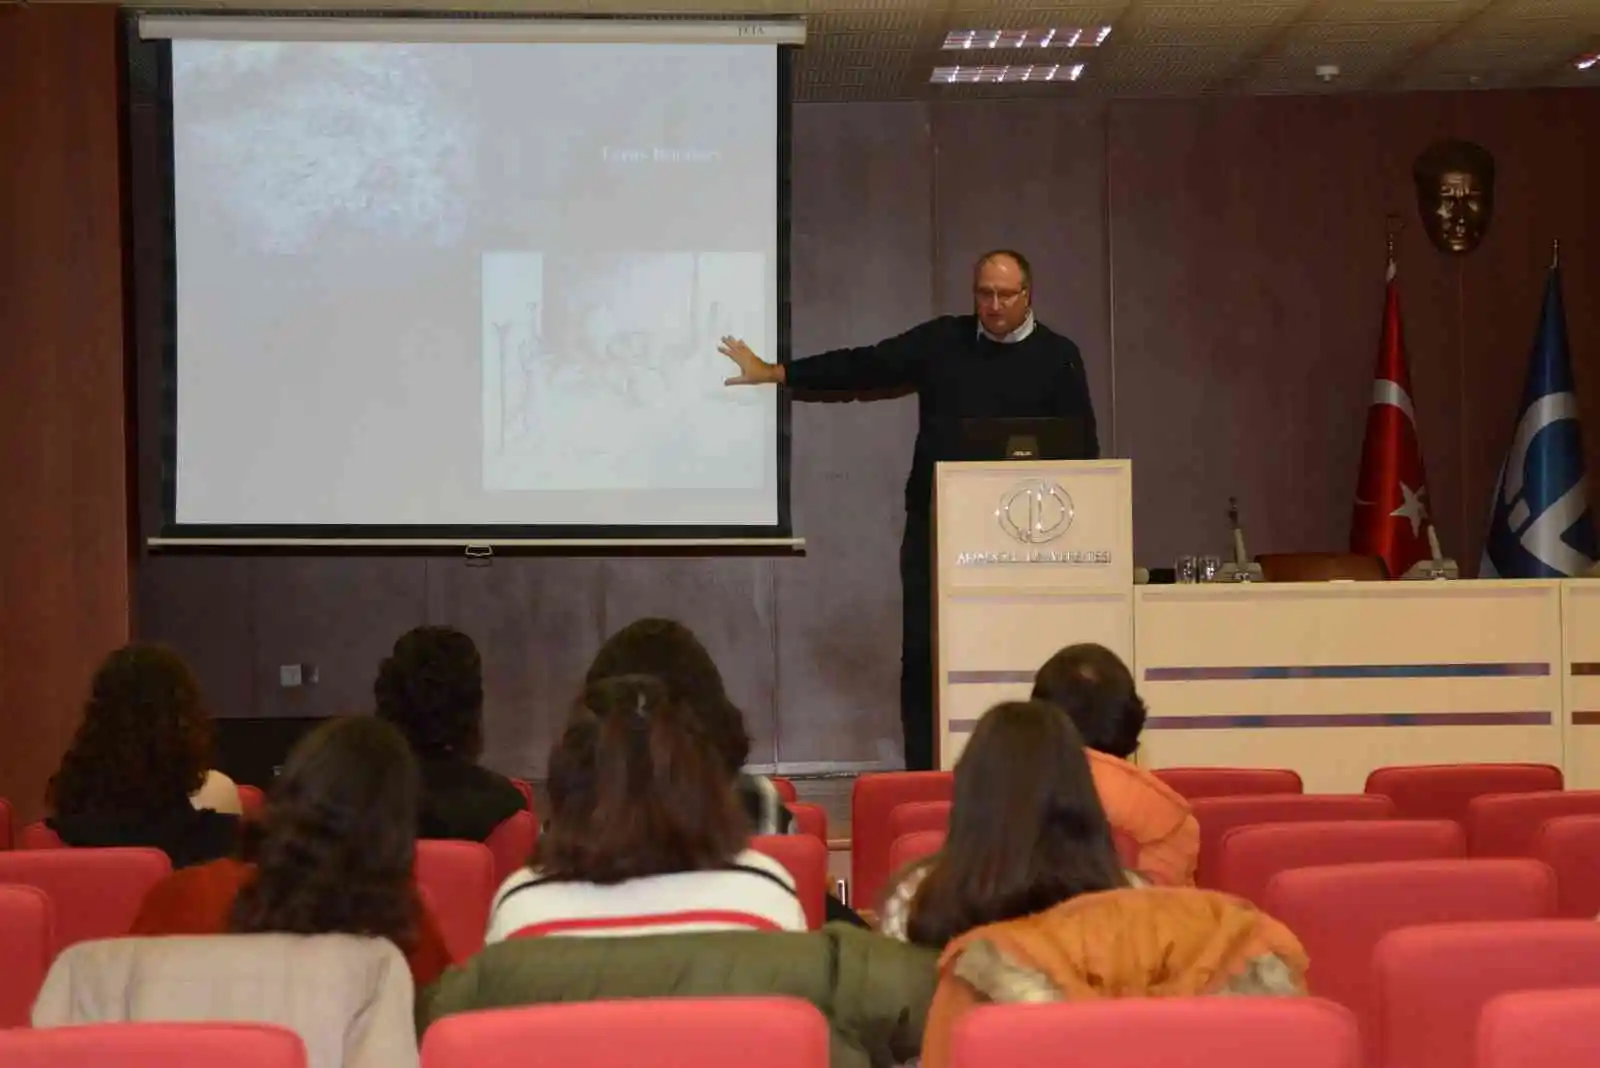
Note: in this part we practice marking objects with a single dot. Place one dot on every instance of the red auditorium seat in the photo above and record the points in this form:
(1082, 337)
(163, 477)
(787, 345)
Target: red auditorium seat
(807, 860)
(458, 878)
(810, 819)
(512, 844)
(1249, 857)
(704, 1032)
(1219, 815)
(39, 836)
(252, 800)
(525, 788)
(872, 802)
(5, 824)
(1143, 1032)
(27, 945)
(918, 816)
(1505, 825)
(96, 892)
(1571, 846)
(1340, 912)
(154, 1045)
(1547, 1028)
(1443, 791)
(1433, 983)
(1194, 783)
(908, 849)
(785, 789)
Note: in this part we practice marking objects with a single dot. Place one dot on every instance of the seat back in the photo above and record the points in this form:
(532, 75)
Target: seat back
(809, 819)
(27, 944)
(1249, 857)
(252, 801)
(39, 836)
(1219, 815)
(1571, 846)
(1443, 791)
(511, 843)
(1433, 983)
(6, 830)
(525, 788)
(910, 848)
(1505, 825)
(1195, 783)
(96, 892)
(1340, 912)
(458, 879)
(785, 789)
(872, 802)
(154, 1045)
(702, 1032)
(806, 858)
(919, 816)
(1143, 1032)
(1548, 1028)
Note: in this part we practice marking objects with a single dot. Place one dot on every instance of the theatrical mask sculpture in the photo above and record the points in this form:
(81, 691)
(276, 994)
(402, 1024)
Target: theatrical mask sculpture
(1455, 194)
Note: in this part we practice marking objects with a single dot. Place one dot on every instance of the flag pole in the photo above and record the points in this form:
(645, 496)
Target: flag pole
(1555, 253)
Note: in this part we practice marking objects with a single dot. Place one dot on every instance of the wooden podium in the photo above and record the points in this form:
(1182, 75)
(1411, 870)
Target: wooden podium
(1028, 557)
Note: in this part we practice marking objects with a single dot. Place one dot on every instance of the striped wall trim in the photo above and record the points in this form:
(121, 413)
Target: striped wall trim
(1586, 668)
(1585, 719)
(987, 678)
(1346, 671)
(1278, 721)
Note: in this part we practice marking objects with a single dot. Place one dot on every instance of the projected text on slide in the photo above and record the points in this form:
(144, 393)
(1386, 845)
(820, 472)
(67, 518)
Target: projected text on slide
(469, 284)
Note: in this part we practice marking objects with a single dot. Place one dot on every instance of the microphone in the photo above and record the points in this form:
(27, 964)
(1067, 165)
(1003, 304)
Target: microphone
(1241, 570)
(1439, 567)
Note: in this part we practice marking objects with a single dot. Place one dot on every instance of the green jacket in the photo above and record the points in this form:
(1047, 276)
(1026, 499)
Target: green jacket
(873, 990)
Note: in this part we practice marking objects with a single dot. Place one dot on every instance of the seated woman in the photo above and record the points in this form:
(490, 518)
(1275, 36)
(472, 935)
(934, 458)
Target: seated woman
(431, 688)
(143, 748)
(1094, 687)
(670, 652)
(334, 854)
(1026, 832)
(644, 835)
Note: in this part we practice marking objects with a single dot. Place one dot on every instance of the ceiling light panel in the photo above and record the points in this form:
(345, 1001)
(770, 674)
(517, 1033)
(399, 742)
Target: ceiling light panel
(1053, 37)
(1007, 74)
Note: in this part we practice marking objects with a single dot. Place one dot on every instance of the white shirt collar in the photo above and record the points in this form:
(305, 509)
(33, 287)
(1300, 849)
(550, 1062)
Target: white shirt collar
(1012, 338)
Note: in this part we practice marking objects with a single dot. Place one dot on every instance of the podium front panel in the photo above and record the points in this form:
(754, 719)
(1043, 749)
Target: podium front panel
(1029, 557)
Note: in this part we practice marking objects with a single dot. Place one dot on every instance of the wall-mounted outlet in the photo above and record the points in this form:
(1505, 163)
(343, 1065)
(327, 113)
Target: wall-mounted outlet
(290, 675)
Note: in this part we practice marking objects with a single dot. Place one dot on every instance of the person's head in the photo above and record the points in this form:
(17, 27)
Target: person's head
(1092, 685)
(431, 688)
(1027, 830)
(1455, 193)
(144, 744)
(338, 840)
(1002, 290)
(669, 651)
(637, 788)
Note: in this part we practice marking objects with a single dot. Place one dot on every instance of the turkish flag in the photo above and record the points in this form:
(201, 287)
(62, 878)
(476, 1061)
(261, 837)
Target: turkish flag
(1391, 514)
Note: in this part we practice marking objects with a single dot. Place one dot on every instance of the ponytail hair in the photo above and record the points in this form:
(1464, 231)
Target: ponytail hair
(637, 788)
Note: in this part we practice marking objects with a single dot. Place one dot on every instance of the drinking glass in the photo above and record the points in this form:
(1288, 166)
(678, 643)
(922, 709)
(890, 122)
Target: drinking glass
(1209, 567)
(1186, 569)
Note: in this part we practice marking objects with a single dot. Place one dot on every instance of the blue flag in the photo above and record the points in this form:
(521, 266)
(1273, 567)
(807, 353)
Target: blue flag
(1539, 525)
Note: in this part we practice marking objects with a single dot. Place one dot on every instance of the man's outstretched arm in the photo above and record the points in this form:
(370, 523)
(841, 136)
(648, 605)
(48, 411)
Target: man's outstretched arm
(894, 363)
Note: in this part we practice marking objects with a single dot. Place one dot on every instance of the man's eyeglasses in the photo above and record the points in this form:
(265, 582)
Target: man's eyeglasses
(1002, 298)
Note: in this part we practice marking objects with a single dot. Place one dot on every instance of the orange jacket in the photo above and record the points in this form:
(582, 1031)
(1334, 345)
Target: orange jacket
(1152, 813)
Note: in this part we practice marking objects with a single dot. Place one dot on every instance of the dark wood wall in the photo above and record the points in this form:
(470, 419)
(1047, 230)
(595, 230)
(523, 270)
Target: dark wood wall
(1220, 262)
(64, 549)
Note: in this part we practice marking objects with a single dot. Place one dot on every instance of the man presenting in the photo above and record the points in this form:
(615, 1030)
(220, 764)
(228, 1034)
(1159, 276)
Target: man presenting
(997, 363)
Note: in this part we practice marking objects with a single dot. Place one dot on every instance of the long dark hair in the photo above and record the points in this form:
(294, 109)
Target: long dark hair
(1027, 830)
(144, 743)
(339, 838)
(637, 788)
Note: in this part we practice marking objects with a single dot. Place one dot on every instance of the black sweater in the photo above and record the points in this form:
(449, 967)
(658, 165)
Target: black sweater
(957, 375)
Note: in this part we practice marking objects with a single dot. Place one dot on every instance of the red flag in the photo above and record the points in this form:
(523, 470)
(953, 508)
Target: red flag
(1391, 514)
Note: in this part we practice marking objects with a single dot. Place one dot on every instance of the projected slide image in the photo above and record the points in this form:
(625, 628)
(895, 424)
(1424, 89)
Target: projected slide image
(601, 370)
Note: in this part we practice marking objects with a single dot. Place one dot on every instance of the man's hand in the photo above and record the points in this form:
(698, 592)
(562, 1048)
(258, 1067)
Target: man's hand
(753, 370)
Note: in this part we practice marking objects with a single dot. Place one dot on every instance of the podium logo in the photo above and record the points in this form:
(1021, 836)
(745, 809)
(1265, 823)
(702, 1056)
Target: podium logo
(1035, 512)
